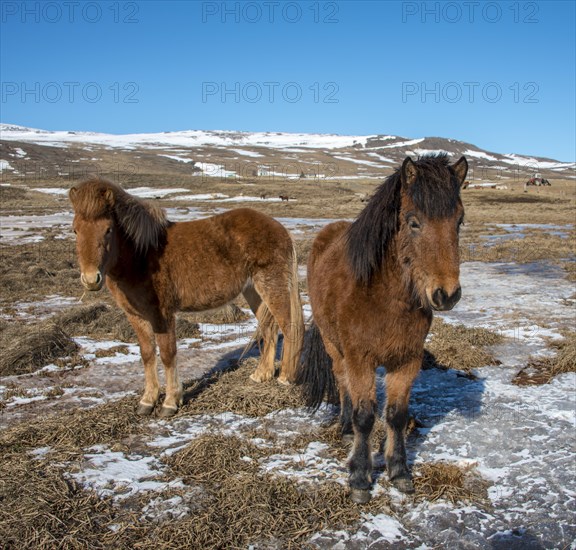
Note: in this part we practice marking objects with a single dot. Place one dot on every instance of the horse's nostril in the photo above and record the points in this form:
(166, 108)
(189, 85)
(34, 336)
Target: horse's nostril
(439, 297)
(98, 278)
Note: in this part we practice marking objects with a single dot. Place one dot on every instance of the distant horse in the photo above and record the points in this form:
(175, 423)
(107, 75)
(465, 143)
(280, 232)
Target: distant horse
(154, 267)
(373, 285)
(284, 198)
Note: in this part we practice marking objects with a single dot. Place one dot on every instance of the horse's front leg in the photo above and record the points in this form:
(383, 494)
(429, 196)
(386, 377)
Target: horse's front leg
(167, 344)
(147, 343)
(398, 385)
(362, 393)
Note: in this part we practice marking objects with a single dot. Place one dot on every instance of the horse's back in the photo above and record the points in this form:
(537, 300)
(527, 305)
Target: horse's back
(328, 246)
(210, 260)
(235, 232)
(254, 227)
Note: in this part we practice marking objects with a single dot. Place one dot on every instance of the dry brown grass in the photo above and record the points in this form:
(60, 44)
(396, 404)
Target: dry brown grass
(75, 430)
(235, 503)
(264, 511)
(40, 507)
(542, 371)
(570, 268)
(233, 391)
(441, 480)
(28, 347)
(231, 313)
(303, 247)
(236, 506)
(102, 321)
(535, 246)
(33, 271)
(32, 350)
(460, 348)
(211, 458)
(244, 506)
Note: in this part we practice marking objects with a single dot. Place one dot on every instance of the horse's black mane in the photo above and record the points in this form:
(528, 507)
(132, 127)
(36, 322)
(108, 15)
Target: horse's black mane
(435, 192)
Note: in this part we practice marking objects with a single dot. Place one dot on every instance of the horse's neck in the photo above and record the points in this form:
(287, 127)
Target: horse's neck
(129, 263)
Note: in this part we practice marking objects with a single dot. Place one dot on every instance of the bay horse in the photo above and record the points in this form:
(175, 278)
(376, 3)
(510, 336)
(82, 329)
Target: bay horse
(154, 268)
(373, 287)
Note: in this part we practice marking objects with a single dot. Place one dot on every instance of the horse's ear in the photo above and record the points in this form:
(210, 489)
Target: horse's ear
(409, 172)
(109, 197)
(72, 193)
(461, 169)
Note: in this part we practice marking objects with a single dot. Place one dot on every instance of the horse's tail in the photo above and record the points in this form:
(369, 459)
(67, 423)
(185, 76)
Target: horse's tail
(294, 341)
(315, 373)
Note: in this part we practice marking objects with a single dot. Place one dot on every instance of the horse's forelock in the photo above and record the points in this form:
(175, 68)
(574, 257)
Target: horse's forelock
(89, 199)
(436, 191)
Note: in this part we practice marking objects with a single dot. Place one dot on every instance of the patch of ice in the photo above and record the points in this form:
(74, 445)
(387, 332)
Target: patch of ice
(51, 190)
(114, 474)
(202, 197)
(179, 159)
(247, 153)
(23, 228)
(155, 193)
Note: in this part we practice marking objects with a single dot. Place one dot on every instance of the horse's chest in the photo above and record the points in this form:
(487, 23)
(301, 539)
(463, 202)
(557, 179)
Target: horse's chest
(394, 334)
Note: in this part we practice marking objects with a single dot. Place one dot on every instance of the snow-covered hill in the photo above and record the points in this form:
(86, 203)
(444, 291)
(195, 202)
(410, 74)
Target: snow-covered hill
(355, 156)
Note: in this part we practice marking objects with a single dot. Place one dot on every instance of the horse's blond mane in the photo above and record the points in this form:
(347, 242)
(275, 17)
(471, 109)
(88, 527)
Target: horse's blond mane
(144, 223)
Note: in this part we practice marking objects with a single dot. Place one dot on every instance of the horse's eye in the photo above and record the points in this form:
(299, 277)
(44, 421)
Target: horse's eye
(413, 224)
(108, 231)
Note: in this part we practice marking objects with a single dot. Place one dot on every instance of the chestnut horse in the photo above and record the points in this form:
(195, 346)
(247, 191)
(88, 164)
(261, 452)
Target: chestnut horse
(154, 268)
(373, 286)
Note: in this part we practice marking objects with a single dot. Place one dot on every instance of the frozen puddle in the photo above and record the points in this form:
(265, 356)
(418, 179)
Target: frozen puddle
(27, 228)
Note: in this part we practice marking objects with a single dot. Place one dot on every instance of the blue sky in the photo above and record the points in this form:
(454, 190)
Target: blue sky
(500, 75)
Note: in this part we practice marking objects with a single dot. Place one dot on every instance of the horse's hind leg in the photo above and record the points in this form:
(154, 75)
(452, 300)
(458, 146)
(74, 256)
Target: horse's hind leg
(145, 336)
(167, 344)
(268, 331)
(398, 385)
(278, 301)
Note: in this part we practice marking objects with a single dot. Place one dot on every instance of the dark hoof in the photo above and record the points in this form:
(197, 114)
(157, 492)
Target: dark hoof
(167, 412)
(360, 496)
(144, 410)
(403, 484)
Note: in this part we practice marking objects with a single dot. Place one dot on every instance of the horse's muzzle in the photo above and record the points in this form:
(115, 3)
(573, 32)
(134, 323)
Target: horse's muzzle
(442, 301)
(93, 281)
